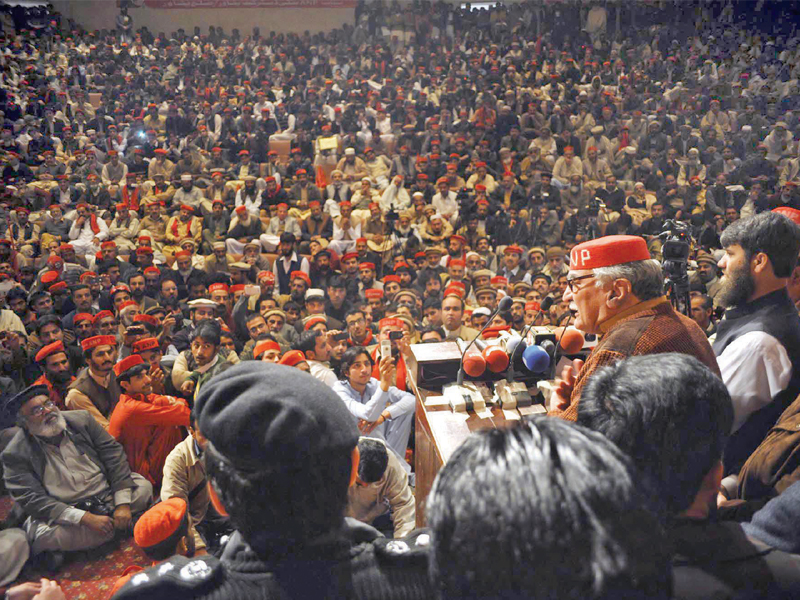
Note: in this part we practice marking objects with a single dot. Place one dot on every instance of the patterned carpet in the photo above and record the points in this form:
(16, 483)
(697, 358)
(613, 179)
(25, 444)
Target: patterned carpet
(86, 578)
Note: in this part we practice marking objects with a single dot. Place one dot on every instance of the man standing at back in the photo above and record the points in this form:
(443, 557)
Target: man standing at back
(301, 453)
(758, 341)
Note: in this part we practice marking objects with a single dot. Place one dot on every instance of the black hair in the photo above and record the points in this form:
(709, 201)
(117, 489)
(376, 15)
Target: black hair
(47, 320)
(78, 287)
(336, 281)
(431, 303)
(437, 330)
(252, 315)
(197, 278)
(36, 296)
(668, 412)
(307, 341)
(545, 488)
(103, 266)
(773, 234)
(374, 458)
(349, 357)
(209, 331)
(16, 293)
(291, 305)
(708, 303)
(356, 310)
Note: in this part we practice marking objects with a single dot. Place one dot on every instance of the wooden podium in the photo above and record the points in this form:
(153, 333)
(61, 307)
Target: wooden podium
(438, 430)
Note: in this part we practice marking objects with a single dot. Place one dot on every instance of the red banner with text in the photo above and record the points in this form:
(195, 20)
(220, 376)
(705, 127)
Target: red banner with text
(250, 3)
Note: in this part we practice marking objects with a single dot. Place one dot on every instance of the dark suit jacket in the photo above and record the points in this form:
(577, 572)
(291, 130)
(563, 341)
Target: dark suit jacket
(24, 463)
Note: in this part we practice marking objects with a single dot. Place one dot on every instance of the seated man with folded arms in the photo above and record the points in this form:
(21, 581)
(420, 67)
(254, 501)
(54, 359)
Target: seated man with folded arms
(69, 476)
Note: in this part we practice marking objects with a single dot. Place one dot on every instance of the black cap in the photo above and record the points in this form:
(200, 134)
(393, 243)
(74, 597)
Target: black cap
(257, 413)
(12, 405)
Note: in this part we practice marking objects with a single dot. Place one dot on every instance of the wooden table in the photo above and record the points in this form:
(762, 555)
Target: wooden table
(439, 431)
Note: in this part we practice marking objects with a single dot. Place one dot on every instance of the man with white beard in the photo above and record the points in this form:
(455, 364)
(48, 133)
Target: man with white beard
(69, 476)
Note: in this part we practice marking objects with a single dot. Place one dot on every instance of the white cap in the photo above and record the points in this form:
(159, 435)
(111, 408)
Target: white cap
(186, 177)
(481, 310)
(314, 293)
(349, 151)
(201, 302)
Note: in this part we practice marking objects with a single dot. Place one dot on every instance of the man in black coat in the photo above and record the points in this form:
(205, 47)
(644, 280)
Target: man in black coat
(286, 492)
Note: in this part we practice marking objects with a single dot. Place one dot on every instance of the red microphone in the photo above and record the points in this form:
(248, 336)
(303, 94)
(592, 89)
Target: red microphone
(496, 358)
(570, 339)
(474, 364)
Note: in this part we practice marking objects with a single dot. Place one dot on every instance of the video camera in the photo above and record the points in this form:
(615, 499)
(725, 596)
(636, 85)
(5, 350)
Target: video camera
(676, 243)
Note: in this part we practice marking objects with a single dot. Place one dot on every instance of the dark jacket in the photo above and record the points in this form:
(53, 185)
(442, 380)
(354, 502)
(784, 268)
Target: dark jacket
(775, 315)
(358, 563)
(24, 464)
(725, 553)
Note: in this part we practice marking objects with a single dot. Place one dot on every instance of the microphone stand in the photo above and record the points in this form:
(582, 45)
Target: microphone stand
(500, 306)
(542, 308)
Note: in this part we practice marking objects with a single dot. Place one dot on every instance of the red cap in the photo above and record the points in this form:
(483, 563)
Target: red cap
(390, 278)
(145, 344)
(218, 287)
(608, 251)
(373, 294)
(266, 277)
(153, 270)
(791, 213)
(144, 250)
(149, 319)
(533, 306)
(390, 322)
(366, 265)
(499, 279)
(160, 522)
(513, 249)
(102, 315)
(59, 286)
(108, 244)
(49, 277)
(292, 358)
(316, 320)
(49, 350)
(82, 317)
(128, 304)
(129, 362)
(239, 287)
(99, 340)
(300, 275)
(265, 345)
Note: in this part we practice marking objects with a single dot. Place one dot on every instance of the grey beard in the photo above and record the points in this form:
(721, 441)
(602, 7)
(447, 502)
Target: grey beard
(48, 430)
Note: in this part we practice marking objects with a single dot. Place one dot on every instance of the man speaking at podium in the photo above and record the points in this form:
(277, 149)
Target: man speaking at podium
(616, 291)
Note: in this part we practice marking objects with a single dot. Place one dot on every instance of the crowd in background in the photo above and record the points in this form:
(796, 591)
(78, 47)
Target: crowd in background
(175, 203)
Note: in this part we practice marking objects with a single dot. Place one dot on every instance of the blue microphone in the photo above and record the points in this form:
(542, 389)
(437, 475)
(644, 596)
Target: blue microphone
(536, 359)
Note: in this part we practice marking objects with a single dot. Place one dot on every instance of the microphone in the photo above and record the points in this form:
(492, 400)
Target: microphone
(504, 305)
(543, 307)
(566, 343)
(536, 359)
(496, 358)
